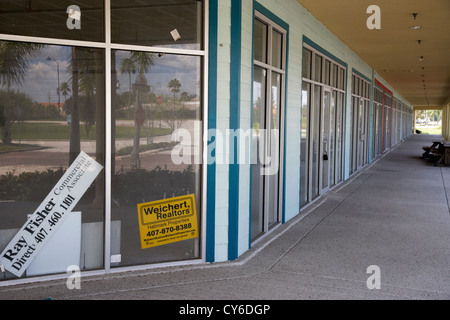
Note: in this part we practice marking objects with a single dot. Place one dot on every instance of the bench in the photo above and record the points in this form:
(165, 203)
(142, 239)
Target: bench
(438, 152)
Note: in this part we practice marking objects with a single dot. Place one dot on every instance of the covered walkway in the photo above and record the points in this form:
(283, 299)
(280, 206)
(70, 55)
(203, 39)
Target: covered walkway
(393, 214)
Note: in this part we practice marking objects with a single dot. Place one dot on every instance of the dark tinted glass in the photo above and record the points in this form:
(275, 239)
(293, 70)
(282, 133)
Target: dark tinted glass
(162, 23)
(62, 19)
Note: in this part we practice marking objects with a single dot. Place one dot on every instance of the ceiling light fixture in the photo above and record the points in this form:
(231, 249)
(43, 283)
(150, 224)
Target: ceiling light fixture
(415, 27)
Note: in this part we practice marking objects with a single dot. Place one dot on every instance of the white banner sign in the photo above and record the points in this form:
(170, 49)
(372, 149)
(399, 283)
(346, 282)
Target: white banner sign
(50, 215)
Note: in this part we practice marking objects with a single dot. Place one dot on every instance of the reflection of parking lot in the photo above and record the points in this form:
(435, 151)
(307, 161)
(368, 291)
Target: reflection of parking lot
(55, 154)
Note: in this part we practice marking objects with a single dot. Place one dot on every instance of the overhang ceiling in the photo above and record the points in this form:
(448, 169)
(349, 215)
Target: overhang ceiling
(394, 50)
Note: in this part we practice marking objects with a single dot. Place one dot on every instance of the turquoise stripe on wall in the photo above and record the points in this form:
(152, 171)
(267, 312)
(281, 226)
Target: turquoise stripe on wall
(361, 75)
(323, 51)
(235, 106)
(212, 123)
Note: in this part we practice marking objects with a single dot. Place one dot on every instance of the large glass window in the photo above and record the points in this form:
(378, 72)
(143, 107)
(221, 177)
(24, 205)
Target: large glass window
(52, 108)
(165, 89)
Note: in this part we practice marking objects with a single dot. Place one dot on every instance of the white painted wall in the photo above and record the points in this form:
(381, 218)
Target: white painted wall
(301, 23)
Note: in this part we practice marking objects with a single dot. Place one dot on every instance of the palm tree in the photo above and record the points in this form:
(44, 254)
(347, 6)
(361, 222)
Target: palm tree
(75, 143)
(65, 90)
(128, 66)
(14, 59)
(143, 61)
(174, 85)
(87, 74)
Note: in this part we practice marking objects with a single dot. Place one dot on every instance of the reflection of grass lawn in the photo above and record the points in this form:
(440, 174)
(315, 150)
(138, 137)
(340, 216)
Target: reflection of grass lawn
(15, 147)
(56, 131)
(147, 147)
(430, 129)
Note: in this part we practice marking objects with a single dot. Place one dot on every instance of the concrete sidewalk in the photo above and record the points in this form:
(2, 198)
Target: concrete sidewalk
(393, 214)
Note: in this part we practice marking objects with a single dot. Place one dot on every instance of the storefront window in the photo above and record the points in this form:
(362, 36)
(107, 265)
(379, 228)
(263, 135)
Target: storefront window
(150, 163)
(62, 19)
(51, 109)
(54, 80)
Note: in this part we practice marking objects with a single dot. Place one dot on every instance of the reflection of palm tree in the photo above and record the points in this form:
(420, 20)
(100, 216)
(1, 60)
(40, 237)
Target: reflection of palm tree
(64, 89)
(87, 85)
(75, 143)
(174, 86)
(128, 66)
(14, 59)
(87, 79)
(143, 61)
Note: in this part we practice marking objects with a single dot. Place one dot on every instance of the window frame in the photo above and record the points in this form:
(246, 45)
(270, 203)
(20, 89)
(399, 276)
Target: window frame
(340, 74)
(108, 46)
(269, 70)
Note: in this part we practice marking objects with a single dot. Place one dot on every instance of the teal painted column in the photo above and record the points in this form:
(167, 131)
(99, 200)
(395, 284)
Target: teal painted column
(235, 96)
(212, 124)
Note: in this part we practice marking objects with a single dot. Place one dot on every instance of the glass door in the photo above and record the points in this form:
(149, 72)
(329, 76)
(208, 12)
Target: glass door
(315, 153)
(325, 141)
(273, 150)
(332, 151)
(268, 100)
(361, 134)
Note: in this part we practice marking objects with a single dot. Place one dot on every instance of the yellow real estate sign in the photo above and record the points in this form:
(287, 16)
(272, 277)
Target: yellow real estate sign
(167, 221)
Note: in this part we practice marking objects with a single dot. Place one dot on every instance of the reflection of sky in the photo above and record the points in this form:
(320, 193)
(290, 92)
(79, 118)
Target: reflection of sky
(256, 91)
(304, 98)
(41, 79)
(165, 68)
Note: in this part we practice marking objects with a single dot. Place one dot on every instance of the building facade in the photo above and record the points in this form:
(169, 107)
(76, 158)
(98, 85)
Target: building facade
(253, 109)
